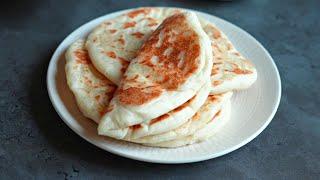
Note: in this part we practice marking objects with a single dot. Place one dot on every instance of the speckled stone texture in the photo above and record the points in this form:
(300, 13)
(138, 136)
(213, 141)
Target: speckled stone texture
(36, 144)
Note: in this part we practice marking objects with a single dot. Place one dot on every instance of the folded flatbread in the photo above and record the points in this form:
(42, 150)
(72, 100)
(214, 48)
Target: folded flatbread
(164, 123)
(111, 48)
(230, 71)
(91, 89)
(170, 68)
(115, 42)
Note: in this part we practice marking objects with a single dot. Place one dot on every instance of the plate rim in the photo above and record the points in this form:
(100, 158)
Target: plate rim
(51, 89)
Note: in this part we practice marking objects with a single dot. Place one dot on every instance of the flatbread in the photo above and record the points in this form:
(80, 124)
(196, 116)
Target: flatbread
(230, 71)
(91, 89)
(208, 110)
(115, 42)
(165, 122)
(210, 129)
(171, 67)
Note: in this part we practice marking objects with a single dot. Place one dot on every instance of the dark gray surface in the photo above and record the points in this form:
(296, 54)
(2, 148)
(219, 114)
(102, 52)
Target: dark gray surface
(35, 143)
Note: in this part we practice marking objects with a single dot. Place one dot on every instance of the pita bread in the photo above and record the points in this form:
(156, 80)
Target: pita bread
(210, 129)
(91, 89)
(115, 42)
(209, 109)
(171, 67)
(230, 71)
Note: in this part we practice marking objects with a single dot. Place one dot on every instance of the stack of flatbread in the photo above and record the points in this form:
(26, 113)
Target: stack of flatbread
(159, 77)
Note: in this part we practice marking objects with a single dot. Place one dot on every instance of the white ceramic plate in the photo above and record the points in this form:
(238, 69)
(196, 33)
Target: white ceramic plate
(252, 109)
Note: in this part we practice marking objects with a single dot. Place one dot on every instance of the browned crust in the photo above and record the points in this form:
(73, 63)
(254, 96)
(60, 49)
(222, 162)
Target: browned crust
(82, 56)
(170, 71)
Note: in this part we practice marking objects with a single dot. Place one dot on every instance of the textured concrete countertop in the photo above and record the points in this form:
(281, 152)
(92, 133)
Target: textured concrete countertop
(36, 144)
